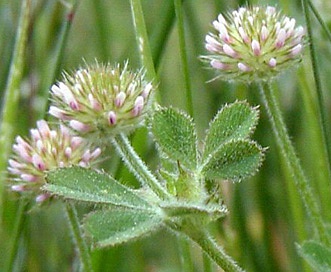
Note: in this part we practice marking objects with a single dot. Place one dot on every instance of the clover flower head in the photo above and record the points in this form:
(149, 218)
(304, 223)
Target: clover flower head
(254, 43)
(101, 101)
(45, 150)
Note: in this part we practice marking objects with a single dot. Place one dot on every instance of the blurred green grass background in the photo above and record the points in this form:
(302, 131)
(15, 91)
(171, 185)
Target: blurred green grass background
(259, 231)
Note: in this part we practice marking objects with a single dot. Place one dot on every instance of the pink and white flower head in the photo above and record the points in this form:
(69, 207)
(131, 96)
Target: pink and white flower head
(45, 150)
(100, 101)
(254, 43)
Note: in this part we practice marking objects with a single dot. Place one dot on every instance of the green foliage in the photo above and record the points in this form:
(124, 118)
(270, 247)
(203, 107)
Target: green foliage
(232, 122)
(228, 153)
(234, 160)
(126, 215)
(112, 34)
(175, 135)
(316, 254)
(88, 185)
(210, 212)
(119, 225)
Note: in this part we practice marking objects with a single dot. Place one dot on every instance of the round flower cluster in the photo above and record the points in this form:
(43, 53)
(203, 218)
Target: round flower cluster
(254, 44)
(101, 101)
(46, 150)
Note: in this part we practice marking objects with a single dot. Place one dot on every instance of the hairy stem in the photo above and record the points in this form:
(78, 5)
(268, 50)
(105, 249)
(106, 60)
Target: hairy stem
(292, 161)
(137, 166)
(212, 249)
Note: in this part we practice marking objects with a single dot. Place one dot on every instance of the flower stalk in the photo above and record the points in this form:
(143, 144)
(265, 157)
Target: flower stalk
(137, 166)
(292, 161)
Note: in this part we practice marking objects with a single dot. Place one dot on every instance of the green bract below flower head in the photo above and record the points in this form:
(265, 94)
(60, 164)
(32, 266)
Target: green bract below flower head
(100, 101)
(254, 43)
(46, 150)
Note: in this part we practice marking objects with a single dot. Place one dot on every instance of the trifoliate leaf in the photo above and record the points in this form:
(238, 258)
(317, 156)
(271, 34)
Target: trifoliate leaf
(235, 160)
(87, 185)
(175, 135)
(232, 122)
(317, 255)
(119, 225)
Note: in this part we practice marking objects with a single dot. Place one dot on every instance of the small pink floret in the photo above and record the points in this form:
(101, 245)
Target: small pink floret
(42, 198)
(22, 152)
(218, 65)
(272, 62)
(18, 188)
(96, 153)
(243, 34)
(243, 67)
(256, 48)
(35, 134)
(15, 164)
(296, 50)
(68, 152)
(148, 88)
(112, 118)
(264, 33)
(56, 112)
(29, 178)
(43, 128)
(228, 50)
(120, 98)
(73, 104)
(138, 106)
(38, 162)
(281, 37)
(79, 126)
(76, 142)
(94, 103)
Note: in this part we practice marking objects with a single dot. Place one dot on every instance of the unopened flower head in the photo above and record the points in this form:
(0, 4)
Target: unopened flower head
(254, 43)
(101, 101)
(46, 149)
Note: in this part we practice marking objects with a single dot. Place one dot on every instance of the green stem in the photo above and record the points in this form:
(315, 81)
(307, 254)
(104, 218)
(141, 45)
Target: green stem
(137, 166)
(292, 161)
(12, 92)
(55, 63)
(320, 20)
(18, 226)
(318, 83)
(321, 179)
(161, 32)
(245, 241)
(185, 255)
(142, 39)
(183, 55)
(213, 250)
(103, 28)
(81, 245)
